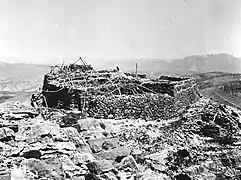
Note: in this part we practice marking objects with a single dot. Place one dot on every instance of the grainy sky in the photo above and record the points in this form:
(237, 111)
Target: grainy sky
(44, 30)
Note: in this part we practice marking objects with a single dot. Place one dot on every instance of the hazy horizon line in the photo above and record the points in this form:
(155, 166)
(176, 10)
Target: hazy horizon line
(68, 59)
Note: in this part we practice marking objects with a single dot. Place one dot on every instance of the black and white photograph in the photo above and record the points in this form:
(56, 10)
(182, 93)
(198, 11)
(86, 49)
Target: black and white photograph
(120, 89)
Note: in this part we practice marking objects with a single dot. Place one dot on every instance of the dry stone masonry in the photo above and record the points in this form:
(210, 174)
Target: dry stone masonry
(113, 94)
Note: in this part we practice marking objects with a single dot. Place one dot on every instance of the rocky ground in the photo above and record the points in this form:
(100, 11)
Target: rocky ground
(202, 143)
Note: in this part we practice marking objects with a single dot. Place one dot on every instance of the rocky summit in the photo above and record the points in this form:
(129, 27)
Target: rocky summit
(63, 140)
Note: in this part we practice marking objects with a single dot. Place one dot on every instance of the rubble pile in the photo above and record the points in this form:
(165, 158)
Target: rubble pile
(203, 143)
(182, 148)
(112, 94)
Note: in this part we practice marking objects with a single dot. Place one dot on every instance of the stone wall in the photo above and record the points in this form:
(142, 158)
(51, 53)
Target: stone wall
(145, 106)
(152, 99)
(148, 106)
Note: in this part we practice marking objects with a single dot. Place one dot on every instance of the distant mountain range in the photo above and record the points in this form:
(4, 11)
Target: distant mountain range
(20, 71)
(18, 80)
(193, 64)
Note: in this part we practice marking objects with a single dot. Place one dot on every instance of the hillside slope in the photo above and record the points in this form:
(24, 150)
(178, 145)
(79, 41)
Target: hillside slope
(221, 87)
(18, 81)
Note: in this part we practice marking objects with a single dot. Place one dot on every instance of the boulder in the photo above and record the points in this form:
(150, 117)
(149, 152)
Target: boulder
(6, 134)
(80, 158)
(101, 166)
(128, 162)
(34, 129)
(158, 160)
(116, 154)
(38, 169)
(195, 170)
(15, 116)
(92, 128)
(73, 136)
(150, 175)
(70, 169)
(98, 145)
(69, 146)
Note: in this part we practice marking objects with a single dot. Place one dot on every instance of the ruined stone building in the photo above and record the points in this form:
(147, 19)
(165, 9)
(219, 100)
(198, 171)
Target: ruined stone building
(112, 94)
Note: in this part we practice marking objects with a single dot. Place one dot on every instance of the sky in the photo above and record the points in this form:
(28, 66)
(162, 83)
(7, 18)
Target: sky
(40, 31)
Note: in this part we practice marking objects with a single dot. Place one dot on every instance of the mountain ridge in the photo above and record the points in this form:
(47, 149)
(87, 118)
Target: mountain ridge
(192, 64)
